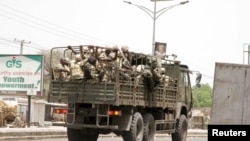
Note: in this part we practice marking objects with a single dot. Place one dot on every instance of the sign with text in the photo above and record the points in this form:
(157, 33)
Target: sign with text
(21, 73)
(224, 132)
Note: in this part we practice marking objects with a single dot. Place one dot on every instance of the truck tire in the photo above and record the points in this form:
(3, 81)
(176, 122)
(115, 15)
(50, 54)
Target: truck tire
(79, 135)
(181, 129)
(149, 127)
(136, 129)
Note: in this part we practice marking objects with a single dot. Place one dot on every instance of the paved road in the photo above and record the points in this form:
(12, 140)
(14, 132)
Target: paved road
(120, 139)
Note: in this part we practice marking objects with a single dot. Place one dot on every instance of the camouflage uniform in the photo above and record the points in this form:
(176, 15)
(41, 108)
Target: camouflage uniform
(113, 54)
(85, 55)
(63, 69)
(151, 77)
(164, 78)
(76, 68)
(105, 64)
(125, 65)
(139, 70)
(90, 71)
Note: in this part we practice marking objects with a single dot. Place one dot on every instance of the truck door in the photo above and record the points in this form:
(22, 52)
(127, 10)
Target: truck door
(185, 90)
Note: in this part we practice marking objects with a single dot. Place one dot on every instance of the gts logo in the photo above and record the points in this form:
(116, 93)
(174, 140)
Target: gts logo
(13, 63)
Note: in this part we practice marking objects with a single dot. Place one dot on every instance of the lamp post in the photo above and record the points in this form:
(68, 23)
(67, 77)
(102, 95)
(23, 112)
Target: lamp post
(246, 50)
(155, 14)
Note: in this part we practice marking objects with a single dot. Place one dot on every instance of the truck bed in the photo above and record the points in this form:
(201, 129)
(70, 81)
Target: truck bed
(123, 93)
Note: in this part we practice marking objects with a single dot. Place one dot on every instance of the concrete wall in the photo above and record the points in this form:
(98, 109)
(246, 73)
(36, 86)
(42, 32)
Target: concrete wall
(231, 99)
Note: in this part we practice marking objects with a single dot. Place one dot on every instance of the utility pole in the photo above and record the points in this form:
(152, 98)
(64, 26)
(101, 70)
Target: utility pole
(22, 42)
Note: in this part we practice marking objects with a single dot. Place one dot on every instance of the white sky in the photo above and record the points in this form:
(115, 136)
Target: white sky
(200, 32)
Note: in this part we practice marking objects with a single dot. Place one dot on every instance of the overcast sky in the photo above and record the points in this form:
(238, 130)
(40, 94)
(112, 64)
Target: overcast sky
(200, 32)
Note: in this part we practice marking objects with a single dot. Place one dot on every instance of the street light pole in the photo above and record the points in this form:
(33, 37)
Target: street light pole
(154, 20)
(154, 15)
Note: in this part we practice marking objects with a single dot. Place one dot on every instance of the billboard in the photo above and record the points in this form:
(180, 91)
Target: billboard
(21, 74)
(160, 49)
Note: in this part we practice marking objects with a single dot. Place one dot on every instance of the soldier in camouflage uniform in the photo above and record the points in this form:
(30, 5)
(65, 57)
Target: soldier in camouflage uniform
(63, 69)
(125, 65)
(85, 53)
(114, 55)
(105, 64)
(150, 74)
(164, 78)
(90, 72)
(76, 68)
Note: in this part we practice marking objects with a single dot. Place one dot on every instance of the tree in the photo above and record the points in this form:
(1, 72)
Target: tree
(202, 96)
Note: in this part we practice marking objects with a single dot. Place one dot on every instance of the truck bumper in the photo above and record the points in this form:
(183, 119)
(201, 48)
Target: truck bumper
(80, 126)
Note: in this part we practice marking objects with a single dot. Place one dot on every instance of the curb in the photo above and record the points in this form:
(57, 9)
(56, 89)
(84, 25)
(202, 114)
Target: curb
(9, 134)
(31, 133)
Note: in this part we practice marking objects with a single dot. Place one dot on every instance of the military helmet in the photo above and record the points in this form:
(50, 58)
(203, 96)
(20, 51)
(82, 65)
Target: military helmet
(84, 49)
(92, 60)
(115, 48)
(124, 48)
(108, 47)
(78, 57)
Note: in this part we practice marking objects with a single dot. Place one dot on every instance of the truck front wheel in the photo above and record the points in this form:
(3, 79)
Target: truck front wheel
(136, 129)
(81, 135)
(181, 129)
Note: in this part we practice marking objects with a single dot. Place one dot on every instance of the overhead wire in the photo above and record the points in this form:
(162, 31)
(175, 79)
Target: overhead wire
(37, 27)
(199, 70)
(48, 25)
(13, 43)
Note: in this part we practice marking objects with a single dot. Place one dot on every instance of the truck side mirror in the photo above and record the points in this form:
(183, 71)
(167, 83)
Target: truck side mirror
(198, 80)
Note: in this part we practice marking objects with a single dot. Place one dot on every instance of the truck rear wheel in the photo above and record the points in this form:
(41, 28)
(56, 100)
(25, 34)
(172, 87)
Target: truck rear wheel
(181, 129)
(80, 135)
(136, 129)
(149, 127)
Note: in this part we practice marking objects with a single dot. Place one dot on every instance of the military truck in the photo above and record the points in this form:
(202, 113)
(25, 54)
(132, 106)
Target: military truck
(151, 95)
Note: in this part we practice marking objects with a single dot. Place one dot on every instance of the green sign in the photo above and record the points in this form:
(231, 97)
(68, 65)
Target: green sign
(21, 73)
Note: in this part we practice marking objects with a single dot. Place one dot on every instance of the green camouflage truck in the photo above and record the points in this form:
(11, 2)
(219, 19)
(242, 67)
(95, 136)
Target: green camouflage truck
(155, 97)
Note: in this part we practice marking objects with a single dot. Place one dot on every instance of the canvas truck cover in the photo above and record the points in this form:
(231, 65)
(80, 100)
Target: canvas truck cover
(231, 94)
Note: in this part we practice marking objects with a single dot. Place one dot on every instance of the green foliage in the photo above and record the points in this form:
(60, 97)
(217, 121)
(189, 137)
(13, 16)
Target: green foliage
(202, 96)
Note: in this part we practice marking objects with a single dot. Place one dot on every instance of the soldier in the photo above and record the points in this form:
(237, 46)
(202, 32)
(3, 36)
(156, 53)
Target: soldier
(164, 78)
(138, 69)
(105, 64)
(76, 68)
(63, 69)
(124, 54)
(151, 77)
(113, 54)
(85, 53)
(125, 65)
(90, 71)
(105, 54)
